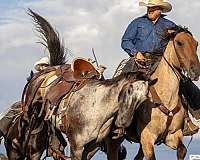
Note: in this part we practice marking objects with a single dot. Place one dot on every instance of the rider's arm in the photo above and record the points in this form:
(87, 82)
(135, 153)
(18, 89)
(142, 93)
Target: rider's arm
(169, 24)
(128, 39)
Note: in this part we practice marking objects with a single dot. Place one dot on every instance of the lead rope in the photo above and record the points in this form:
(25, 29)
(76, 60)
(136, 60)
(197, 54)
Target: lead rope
(178, 75)
(175, 69)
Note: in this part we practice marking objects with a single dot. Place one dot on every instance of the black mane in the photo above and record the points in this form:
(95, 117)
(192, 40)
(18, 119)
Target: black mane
(131, 76)
(178, 29)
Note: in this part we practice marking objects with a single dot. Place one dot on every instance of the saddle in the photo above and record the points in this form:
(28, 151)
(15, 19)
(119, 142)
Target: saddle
(70, 78)
(148, 66)
(32, 87)
(82, 67)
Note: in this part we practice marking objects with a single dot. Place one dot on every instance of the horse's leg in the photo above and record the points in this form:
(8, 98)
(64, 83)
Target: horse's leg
(92, 153)
(181, 151)
(122, 152)
(90, 149)
(35, 156)
(58, 144)
(36, 146)
(140, 154)
(76, 153)
(12, 153)
(76, 147)
(174, 141)
(112, 148)
(147, 142)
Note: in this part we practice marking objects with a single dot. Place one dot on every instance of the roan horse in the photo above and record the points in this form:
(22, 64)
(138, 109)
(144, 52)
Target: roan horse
(91, 110)
(152, 121)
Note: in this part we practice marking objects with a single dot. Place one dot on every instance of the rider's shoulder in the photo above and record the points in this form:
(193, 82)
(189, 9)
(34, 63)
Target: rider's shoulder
(141, 19)
(167, 21)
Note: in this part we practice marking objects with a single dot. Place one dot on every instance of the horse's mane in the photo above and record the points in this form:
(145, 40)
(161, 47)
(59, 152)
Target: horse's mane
(50, 39)
(178, 29)
(131, 76)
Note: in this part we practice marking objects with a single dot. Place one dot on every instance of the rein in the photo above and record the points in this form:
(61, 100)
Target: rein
(174, 68)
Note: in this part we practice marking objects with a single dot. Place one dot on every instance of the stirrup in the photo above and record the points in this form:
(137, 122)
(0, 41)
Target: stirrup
(189, 128)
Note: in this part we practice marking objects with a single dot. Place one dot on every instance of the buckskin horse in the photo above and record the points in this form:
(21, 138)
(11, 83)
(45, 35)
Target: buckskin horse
(164, 123)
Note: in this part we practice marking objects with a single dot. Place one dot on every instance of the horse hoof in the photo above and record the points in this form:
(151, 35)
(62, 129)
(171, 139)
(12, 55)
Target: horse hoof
(122, 153)
(67, 158)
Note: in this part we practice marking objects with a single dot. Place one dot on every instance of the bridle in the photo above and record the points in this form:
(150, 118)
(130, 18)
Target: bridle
(177, 70)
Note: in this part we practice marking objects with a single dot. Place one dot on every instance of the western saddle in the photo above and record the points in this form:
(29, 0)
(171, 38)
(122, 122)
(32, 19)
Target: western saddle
(70, 78)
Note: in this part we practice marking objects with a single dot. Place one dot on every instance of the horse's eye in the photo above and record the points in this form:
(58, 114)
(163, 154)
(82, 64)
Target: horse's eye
(179, 43)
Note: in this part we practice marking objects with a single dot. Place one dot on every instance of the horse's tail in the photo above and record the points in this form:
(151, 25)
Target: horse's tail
(50, 38)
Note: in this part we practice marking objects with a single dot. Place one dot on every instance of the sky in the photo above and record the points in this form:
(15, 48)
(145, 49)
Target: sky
(83, 25)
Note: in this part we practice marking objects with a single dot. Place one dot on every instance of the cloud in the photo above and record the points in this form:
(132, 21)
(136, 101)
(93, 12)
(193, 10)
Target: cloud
(83, 25)
(15, 35)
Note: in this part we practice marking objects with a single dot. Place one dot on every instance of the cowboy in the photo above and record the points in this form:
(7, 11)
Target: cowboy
(41, 64)
(145, 38)
(146, 34)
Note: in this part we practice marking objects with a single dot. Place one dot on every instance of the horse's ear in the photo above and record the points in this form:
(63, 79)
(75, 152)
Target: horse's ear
(171, 33)
(152, 82)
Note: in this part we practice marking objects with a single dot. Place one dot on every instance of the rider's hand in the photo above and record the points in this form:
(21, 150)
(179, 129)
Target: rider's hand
(139, 56)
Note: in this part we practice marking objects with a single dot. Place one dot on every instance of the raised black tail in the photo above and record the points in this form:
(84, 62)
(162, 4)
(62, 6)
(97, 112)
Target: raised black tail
(50, 39)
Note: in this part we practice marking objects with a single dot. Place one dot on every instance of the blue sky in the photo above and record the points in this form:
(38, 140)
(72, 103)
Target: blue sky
(83, 24)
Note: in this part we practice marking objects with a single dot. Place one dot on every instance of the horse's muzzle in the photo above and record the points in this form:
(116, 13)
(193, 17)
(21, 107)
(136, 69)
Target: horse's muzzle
(194, 72)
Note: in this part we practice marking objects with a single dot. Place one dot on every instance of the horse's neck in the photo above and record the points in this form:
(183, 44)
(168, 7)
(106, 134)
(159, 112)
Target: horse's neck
(112, 93)
(167, 86)
(116, 88)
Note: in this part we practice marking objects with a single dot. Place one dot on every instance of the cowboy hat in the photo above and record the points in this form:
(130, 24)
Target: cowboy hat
(166, 6)
(42, 61)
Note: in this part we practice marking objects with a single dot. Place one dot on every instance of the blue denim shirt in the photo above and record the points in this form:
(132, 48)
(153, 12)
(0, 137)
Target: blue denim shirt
(142, 35)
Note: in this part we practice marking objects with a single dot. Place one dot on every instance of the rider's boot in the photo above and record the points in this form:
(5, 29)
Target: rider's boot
(189, 127)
